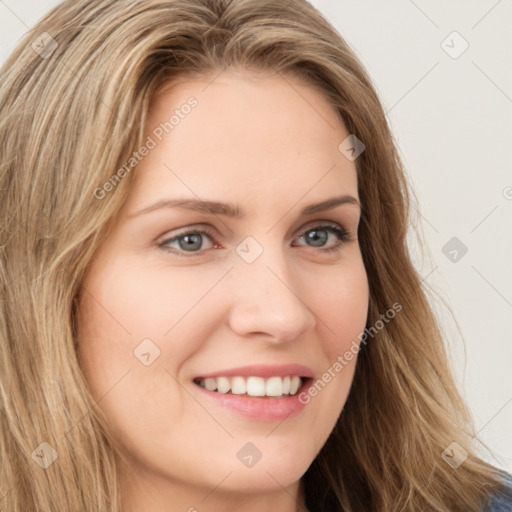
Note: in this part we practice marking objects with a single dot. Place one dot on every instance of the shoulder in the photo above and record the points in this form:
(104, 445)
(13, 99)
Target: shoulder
(501, 501)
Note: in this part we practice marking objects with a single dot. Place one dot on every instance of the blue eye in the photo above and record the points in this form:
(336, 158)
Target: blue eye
(192, 241)
(317, 236)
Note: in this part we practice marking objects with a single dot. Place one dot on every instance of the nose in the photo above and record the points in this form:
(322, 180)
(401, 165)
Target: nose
(268, 299)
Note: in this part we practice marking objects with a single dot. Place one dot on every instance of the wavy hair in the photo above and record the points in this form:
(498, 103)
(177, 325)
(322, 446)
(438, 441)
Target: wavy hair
(74, 98)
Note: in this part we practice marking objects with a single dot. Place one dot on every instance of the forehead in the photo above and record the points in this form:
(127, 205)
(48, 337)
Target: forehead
(250, 136)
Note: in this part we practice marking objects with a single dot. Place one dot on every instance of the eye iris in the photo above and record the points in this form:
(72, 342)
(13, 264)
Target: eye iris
(316, 236)
(190, 241)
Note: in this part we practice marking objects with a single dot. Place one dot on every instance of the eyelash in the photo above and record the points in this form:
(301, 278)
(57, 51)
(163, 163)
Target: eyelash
(342, 235)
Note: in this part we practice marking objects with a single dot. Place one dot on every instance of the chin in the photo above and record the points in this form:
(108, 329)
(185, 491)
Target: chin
(273, 473)
(260, 482)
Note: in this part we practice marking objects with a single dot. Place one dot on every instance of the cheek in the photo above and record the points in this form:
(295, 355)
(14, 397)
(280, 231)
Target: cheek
(342, 306)
(127, 311)
(342, 310)
(152, 300)
(116, 316)
(128, 303)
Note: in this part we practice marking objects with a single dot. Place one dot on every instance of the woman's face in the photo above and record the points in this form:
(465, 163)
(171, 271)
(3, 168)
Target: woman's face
(163, 304)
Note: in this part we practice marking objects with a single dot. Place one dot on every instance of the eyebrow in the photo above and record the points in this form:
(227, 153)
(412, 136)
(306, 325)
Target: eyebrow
(233, 211)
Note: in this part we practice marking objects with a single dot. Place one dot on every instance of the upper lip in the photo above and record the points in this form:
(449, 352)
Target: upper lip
(260, 370)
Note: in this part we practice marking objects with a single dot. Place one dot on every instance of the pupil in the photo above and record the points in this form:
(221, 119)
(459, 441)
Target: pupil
(314, 237)
(190, 240)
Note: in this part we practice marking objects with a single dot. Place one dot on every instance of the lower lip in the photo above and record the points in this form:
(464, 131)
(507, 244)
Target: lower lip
(260, 408)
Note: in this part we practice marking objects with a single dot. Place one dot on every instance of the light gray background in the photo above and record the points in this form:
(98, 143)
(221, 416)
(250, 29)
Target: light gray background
(452, 120)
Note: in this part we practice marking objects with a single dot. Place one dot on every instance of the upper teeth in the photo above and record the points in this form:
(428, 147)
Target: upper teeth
(253, 386)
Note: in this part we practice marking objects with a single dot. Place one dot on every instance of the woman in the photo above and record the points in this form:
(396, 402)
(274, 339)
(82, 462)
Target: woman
(208, 300)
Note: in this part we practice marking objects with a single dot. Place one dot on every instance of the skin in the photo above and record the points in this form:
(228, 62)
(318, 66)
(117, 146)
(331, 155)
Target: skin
(270, 146)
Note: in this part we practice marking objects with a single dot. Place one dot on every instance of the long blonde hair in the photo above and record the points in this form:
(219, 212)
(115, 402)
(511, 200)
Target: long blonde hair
(74, 97)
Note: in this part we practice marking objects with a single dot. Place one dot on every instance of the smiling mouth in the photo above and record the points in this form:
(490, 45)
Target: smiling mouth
(253, 386)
